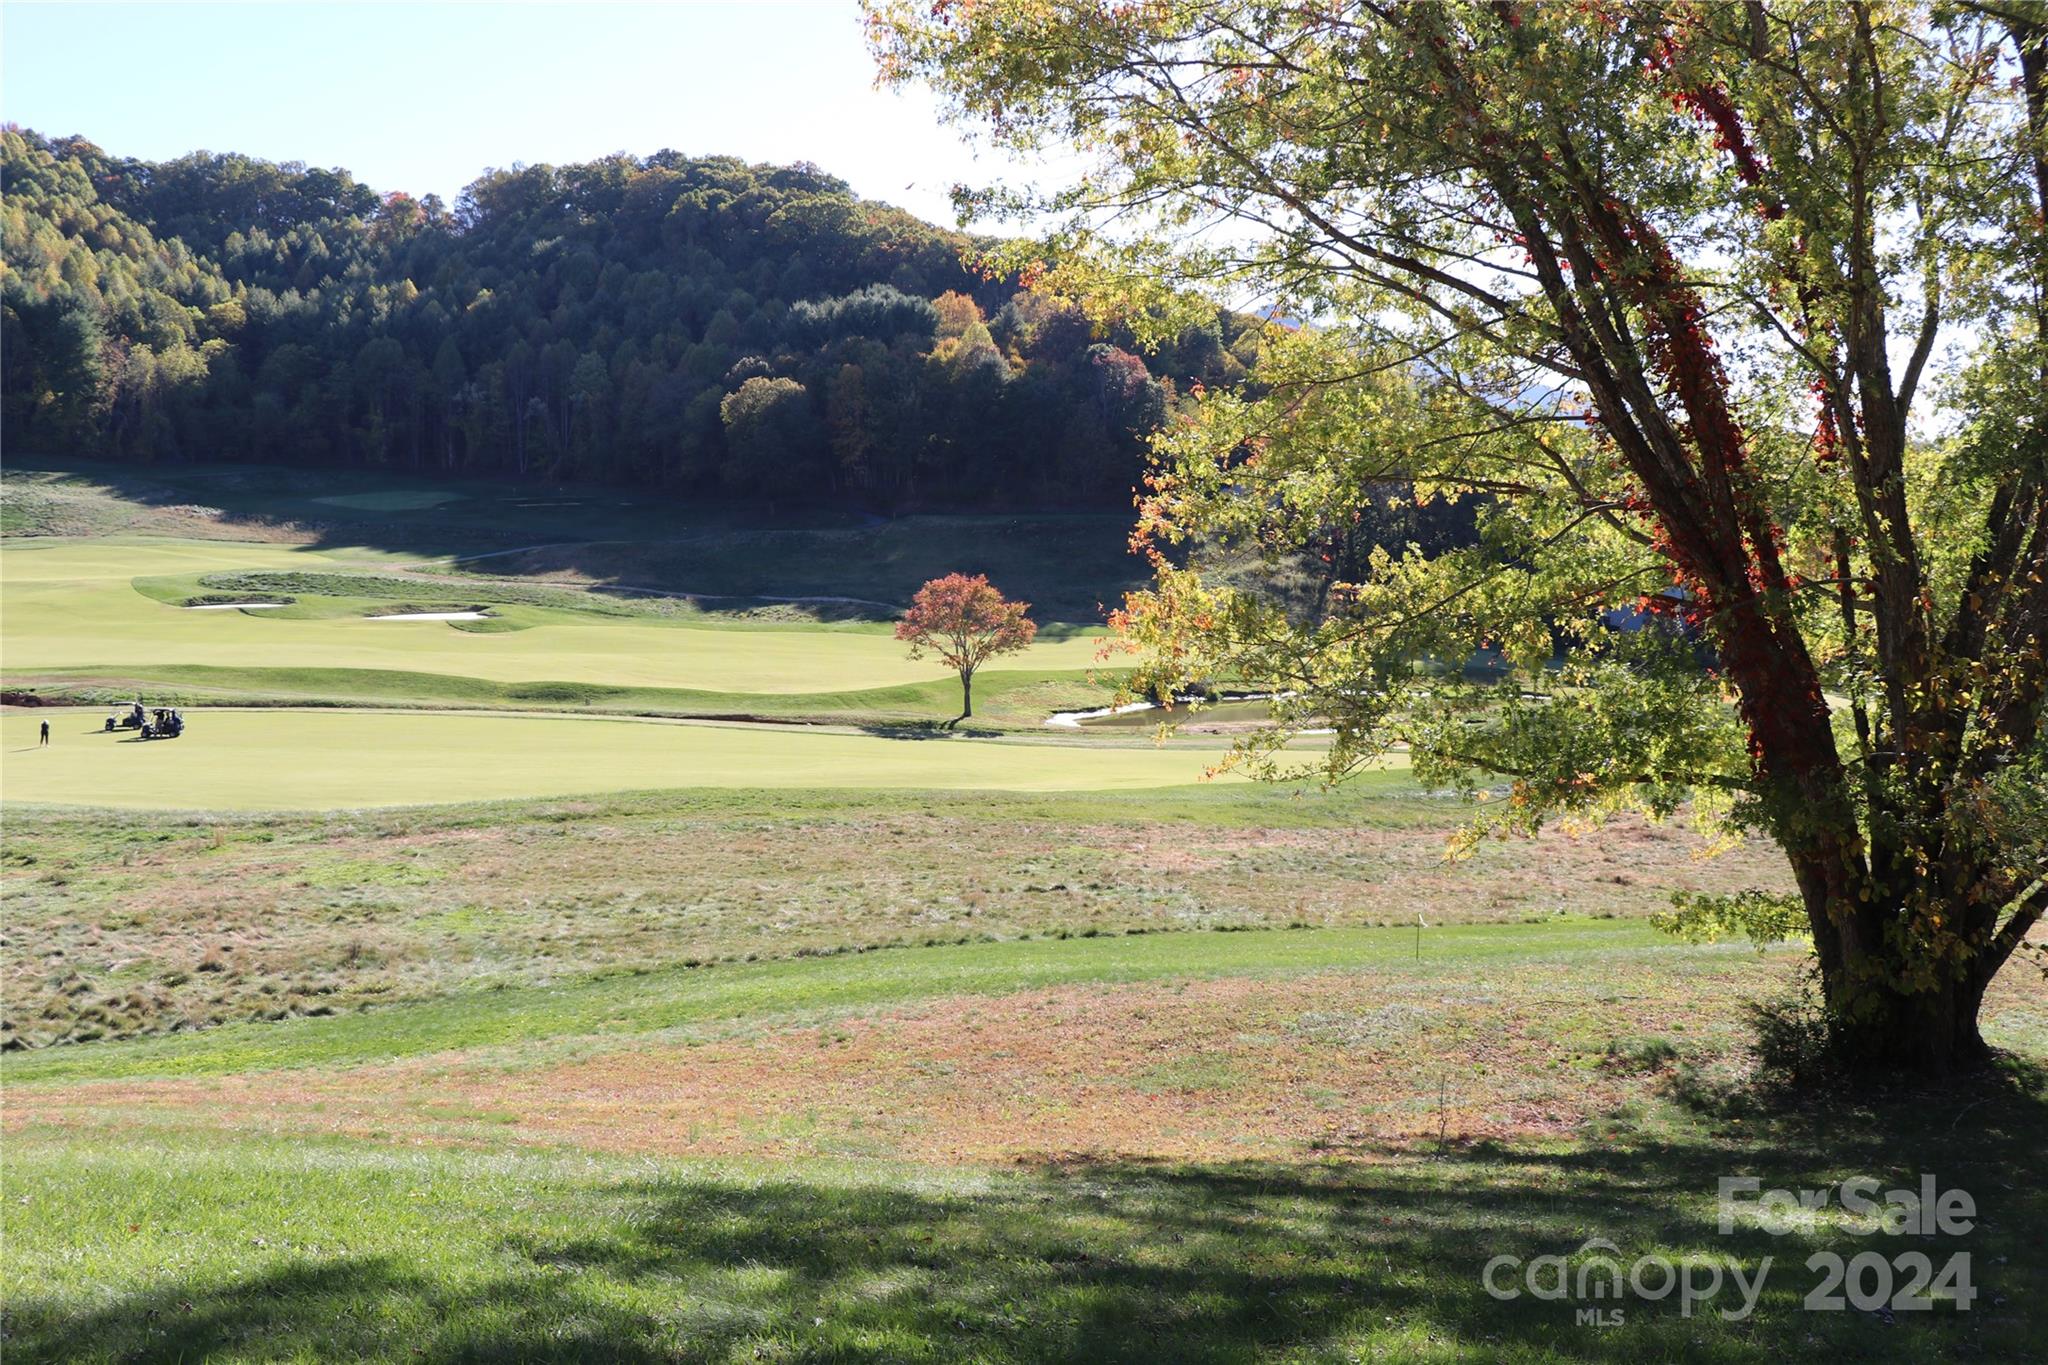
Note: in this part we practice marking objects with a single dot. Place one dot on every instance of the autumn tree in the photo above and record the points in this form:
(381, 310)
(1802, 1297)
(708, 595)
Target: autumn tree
(1730, 319)
(957, 312)
(965, 622)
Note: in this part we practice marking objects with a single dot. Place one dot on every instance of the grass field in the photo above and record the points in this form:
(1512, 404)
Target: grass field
(73, 604)
(151, 923)
(461, 1004)
(1295, 1145)
(1066, 564)
(298, 760)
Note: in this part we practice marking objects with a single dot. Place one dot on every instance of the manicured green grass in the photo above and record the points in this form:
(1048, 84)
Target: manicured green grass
(72, 605)
(299, 760)
(1002, 699)
(102, 617)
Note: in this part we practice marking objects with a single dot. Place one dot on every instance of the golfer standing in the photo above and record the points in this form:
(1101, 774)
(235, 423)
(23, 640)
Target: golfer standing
(46, 736)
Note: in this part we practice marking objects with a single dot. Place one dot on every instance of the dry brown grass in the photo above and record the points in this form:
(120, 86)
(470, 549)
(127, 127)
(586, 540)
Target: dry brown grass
(1359, 1065)
(1345, 1064)
(194, 927)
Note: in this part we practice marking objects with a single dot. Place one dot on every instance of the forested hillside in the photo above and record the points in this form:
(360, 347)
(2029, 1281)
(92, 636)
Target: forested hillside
(704, 324)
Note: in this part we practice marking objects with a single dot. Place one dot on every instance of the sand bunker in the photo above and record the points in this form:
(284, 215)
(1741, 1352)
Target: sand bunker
(1072, 720)
(236, 606)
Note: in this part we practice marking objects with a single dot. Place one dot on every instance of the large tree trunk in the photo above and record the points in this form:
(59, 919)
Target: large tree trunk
(1905, 965)
(1882, 1030)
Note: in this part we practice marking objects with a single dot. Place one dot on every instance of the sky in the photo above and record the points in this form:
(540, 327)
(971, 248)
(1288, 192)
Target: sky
(423, 97)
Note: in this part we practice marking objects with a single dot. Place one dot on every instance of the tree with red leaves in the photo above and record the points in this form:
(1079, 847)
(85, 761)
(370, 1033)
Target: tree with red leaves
(1732, 318)
(965, 622)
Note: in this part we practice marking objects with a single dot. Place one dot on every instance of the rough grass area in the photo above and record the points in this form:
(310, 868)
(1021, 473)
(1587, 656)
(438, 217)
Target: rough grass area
(335, 593)
(604, 601)
(624, 1003)
(1389, 1056)
(158, 922)
(400, 500)
(1493, 1037)
(85, 501)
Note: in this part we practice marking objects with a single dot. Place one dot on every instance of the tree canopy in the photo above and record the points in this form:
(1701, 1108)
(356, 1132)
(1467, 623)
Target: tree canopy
(965, 621)
(596, 321)
(1729, 320)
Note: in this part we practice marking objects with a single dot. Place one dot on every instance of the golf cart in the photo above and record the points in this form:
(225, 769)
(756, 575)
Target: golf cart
(131, 719)
(164, 723)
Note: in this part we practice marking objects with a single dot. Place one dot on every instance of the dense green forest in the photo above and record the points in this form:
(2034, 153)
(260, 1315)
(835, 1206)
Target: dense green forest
(696, 323)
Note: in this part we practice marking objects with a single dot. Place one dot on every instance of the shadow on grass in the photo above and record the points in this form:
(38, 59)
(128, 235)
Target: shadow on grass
(1106, 1260)
(729, 554)
(926, 729)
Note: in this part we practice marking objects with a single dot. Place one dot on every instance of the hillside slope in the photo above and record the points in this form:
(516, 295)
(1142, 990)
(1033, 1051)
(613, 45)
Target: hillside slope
(702, 325)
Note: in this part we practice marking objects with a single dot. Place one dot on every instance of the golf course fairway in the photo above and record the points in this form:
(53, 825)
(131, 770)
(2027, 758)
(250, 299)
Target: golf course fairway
(72, 604)
(306, 760)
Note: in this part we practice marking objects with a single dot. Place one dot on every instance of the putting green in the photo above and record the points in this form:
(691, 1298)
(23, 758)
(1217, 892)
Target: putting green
(301, 760)
(70, 604)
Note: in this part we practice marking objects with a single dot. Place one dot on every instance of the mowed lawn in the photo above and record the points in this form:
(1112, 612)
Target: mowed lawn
(300, 760)
(67, 604)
